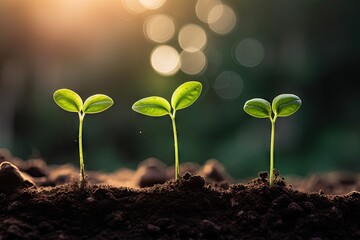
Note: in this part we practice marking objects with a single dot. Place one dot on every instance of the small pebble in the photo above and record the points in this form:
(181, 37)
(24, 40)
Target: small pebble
(150, 172)
(213, 171)
(11, 179)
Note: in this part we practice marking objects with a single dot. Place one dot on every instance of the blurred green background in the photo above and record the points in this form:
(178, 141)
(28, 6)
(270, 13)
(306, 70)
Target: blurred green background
(130, 49)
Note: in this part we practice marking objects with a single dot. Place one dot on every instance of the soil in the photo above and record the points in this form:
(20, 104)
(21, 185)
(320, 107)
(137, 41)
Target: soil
(45, 202)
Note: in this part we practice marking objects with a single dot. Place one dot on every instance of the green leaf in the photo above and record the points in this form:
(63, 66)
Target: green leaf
(258, 107)
(68, 100)
(152, 106)
(285, 104)
(97, 103)
(185, 95)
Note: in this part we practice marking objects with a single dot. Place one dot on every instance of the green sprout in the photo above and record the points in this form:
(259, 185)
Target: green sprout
(70, 101)
(282, 106)
(185, 95)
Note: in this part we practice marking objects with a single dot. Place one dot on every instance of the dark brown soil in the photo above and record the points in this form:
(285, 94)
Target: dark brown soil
(190, 208)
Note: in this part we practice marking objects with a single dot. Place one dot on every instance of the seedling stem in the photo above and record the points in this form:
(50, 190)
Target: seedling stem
(272, 150)
(176, 146)
(81, 155)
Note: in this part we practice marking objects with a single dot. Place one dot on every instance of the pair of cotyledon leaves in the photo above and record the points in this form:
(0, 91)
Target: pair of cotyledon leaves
(282, 106)
(185, 95)
(72, 102)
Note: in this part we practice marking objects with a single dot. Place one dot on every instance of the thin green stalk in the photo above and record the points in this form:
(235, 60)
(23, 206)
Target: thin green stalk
(271, 179)
(176, 146)
(82, 167)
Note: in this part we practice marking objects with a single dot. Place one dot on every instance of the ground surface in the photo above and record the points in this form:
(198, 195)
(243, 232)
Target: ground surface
(190, 208)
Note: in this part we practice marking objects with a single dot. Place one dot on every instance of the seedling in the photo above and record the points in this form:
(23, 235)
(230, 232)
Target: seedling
(185, 95)
(70, 101)
(282, 106)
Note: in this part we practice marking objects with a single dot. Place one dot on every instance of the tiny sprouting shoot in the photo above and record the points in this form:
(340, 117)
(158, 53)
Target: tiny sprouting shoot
(185, 95)
(70, 101)
(282, 106)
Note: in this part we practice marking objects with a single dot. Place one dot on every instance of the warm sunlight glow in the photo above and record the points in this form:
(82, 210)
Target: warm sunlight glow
(192, 38)
(192, 63)
(165, 60)
(159, 28)
(133, 6)
(226, 22)
(152, 4)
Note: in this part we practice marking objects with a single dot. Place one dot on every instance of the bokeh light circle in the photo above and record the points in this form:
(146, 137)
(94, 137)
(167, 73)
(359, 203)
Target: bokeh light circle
(204, 7)
(165, 60)
(133, 6)
(152, 4)
(226, 22)
(249, 52)
(159, 28)
(228, 85)
(192, 63)
(192, 38)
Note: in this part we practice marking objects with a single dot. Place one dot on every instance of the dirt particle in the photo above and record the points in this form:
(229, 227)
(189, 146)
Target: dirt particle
(209, 228)
(13, 206)
(234, 202)
(308, 206)
(355, 194)
(237, 187)
(171, 228)
(152, 228)
(276, 173)
(162, 222)
(15, 230)
(253, 217)
(271, 219)
(187, 176)
(295, 209)
(241, 214)
(334, 209)
(45, 226)
(90, 200)
(356, 235)
(263, 174)
(193, 182)
(100, 193)
(313, 219)
(280, 202)
(115, 219)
